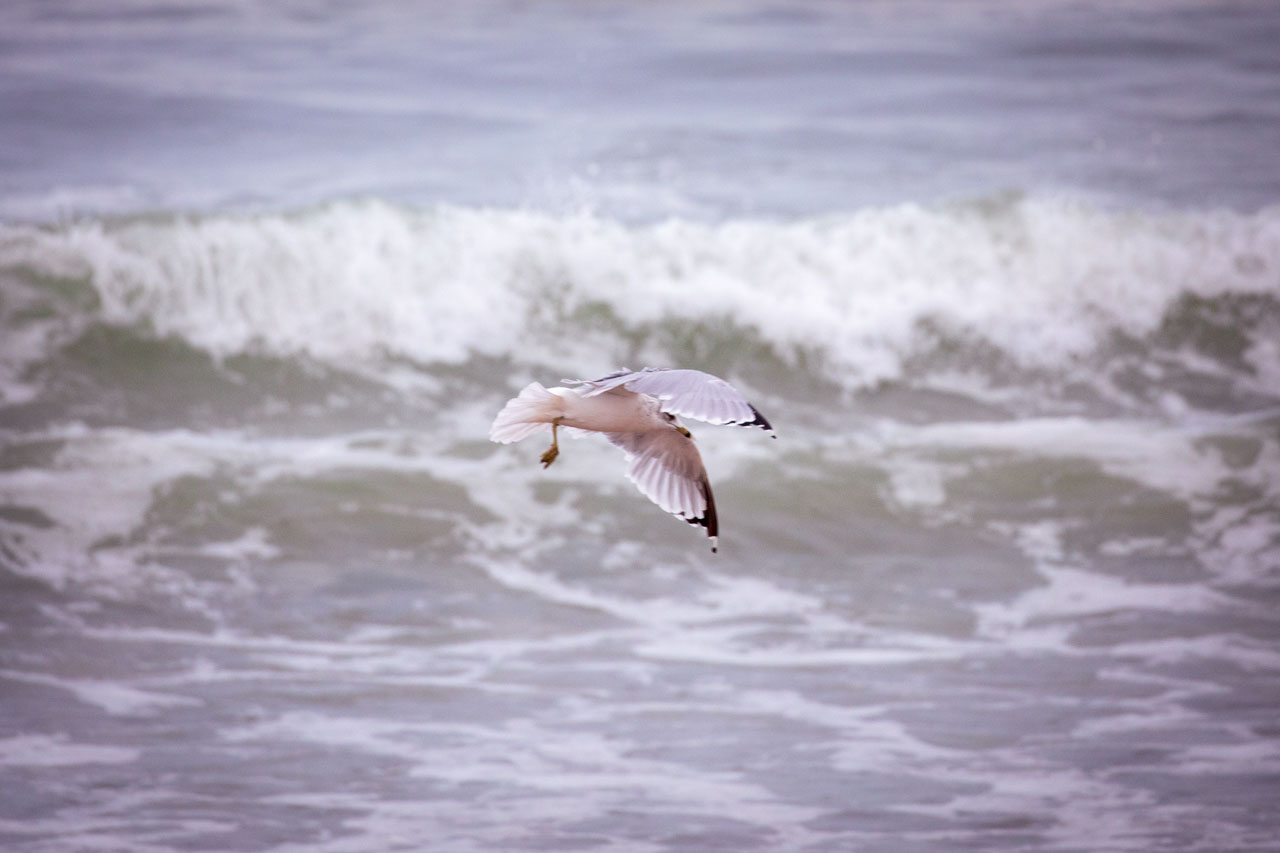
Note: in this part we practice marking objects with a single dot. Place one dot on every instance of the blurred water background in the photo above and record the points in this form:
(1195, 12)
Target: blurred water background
(1005, 276)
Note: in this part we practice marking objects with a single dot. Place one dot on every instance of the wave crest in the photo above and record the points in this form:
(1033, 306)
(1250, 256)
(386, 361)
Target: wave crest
(855, 296)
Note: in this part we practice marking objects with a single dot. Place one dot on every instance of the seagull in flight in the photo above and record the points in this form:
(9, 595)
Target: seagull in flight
(638, 411)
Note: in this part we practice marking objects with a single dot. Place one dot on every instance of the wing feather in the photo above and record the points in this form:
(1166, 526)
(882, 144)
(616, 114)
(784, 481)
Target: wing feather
(667, 469)
(685, 393)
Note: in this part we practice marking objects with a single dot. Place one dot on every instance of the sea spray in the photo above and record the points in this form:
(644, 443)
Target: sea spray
(861, 296)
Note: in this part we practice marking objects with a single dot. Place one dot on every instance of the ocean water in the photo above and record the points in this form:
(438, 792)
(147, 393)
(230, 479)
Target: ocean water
(1004, 276)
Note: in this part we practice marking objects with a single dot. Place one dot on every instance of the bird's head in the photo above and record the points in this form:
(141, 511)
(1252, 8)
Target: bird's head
(671, 419)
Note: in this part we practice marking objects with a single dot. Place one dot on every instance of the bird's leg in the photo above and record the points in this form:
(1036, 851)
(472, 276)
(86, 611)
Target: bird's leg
(554, 450)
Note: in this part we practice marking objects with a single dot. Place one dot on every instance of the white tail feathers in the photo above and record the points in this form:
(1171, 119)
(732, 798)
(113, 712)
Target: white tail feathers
(529, 413)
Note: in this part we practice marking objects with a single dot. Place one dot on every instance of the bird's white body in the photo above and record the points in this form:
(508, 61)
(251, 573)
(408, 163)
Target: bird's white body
(637, 412)
(613, 411)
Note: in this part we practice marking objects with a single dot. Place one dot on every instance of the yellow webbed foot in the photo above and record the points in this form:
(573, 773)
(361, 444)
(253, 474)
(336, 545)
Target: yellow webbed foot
(550, 456)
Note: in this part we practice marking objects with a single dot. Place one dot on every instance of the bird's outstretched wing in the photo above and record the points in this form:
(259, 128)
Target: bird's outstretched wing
(667, 469)
(687, 393)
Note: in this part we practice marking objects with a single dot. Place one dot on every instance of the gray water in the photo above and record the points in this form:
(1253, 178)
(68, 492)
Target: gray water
(1005, 277)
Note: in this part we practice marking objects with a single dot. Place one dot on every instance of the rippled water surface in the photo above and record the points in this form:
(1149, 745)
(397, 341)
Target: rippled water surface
(1005, 278)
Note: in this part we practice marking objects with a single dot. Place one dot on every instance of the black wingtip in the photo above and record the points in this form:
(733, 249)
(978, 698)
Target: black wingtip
(707, 520)
(711, 522)
(759, 420)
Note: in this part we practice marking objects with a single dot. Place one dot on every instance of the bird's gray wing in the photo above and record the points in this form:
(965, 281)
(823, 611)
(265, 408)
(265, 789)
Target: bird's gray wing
(687, 393)
(667, 469)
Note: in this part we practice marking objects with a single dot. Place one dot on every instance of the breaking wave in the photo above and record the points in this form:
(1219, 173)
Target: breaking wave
(858, 299)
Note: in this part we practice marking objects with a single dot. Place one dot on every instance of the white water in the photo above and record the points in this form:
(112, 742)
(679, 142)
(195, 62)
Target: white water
(861, 293)
(1005, 277)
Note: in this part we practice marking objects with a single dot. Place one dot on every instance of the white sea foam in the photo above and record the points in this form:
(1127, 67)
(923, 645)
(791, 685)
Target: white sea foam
(1251, 757)
(253, 543)
(1242, 652)
(59, 751)
(102, 482)
(97, 489)
(537, 755)
(1164, 458)
(721, 597)
(1043, 280)
(112, 697)
(1075, 592)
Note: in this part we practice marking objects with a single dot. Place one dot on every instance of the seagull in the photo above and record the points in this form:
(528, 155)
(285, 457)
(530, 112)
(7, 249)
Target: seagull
(637, 410)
